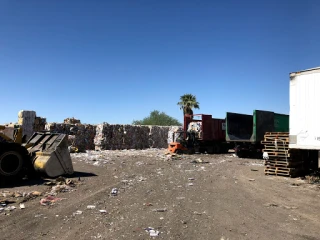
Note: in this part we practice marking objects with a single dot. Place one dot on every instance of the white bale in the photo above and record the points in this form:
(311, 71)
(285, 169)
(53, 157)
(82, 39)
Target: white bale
(26, 120)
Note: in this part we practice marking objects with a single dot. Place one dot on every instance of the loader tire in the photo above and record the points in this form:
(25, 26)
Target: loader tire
(11, 163)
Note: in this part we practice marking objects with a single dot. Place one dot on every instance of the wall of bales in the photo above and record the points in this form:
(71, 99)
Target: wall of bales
(116, 136)
(102, 136)
(112, 136)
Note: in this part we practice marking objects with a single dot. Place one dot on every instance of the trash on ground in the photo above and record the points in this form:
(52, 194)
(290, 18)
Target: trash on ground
(114, 192)
(103, 211)
(199, 160)
(10, 208)
(22, 206)
(159, 210)
(91, 207)
(60, 188)
(152, 232)
(148, 204)
(49, 200)
(77, 212)
(271, 205)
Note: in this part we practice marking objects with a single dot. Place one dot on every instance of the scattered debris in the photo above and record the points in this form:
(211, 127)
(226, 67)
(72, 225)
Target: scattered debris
(180, 198)
(159, 210)
(295, 184)
(10, 208)
(91, 207)
(197, 213)
(60, 188)
(271, 205)
(152, 232)
(198, 160)
(49, 200)
(114, 192)
(22, 206)
(148, 204)
(77, 212)
(103, 211)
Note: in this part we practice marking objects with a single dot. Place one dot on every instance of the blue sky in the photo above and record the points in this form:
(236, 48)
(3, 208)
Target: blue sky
(116, 61)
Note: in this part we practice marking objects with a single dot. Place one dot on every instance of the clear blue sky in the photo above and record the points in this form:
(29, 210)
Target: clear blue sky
(115, 61)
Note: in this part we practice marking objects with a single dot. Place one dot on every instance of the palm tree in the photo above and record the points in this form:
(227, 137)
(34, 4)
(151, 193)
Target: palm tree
(188, 99)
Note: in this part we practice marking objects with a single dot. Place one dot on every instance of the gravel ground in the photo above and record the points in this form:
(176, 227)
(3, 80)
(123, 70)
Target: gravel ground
(185, 197)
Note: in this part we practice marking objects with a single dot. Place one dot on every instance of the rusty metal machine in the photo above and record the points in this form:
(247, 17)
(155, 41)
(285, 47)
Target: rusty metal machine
(44, 153)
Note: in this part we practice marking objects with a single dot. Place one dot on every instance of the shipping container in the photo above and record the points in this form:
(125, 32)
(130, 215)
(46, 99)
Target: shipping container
(251, 128)
(305, 110)
(210, 129)
(238, 127)
(247, 131)
(209, 132)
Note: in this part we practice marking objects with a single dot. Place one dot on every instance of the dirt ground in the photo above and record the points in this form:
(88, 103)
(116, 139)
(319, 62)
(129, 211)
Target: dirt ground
(222, 197)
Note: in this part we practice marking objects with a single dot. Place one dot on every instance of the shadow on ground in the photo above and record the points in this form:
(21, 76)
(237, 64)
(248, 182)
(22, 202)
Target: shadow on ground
(10, 183)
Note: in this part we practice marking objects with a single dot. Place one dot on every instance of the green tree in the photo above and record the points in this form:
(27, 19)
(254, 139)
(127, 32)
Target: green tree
(159, 119)
(188, 99)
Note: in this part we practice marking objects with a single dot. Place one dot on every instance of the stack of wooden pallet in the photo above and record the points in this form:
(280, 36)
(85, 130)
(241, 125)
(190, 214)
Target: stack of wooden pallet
(279, 160)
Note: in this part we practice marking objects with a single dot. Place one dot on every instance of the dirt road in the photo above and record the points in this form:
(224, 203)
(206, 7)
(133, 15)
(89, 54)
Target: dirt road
(222, 197)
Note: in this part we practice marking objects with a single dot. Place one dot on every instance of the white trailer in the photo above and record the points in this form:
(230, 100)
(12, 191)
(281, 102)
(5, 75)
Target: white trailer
(305, 110)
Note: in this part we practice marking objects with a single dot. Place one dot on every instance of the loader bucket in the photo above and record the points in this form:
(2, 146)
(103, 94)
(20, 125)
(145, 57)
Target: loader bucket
(49, 154)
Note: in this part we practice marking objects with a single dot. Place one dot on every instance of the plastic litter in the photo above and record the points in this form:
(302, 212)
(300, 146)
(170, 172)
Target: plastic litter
(49, 200)
(114, 192)
(152, 232)
(159, 210)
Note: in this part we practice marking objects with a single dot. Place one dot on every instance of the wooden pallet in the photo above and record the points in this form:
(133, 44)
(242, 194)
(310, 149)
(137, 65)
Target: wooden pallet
(278, 174)
(276, 146)
(272, 143)
(280, 150)
(281, 169)
(272, 153)
(276, 133)
(280, 140)
(288, 164)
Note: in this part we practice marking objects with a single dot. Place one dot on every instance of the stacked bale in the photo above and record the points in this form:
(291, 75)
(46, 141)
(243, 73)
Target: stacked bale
(81, 136)
(26, 119)
(116, 136)
(174, 133)
(39, 124)
(71, 121)
(158, 136)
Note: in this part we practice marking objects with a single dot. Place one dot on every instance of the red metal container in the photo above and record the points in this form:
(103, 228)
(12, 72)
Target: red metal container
(212, 129)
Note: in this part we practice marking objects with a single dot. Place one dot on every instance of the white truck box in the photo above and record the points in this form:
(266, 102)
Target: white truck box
(304, 121)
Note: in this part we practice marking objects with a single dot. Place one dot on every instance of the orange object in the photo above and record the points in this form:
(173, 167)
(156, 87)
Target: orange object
(176, 147)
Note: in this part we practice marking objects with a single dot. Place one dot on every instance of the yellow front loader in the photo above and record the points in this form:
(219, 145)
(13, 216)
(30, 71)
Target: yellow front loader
(44, 153)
